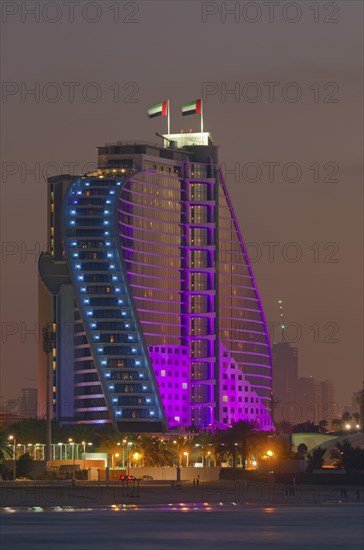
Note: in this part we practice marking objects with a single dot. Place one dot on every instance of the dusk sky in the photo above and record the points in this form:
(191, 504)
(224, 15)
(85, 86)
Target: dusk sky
(297, 109)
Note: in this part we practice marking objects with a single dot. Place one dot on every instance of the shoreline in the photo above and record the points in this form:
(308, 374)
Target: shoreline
(95, 495)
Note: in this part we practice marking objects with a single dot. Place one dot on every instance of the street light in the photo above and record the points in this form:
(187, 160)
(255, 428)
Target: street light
(49, 338)
(12, 438)
(186, 455)
(72, 443)
(129, 445)
(137, 457)
(124, 441)
(178, 455)
(112, 459)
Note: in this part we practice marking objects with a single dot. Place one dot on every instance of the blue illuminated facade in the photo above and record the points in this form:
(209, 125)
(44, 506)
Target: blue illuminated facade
(109, 327)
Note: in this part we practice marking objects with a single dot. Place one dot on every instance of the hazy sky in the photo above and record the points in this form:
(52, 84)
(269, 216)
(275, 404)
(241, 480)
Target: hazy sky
(293, 130)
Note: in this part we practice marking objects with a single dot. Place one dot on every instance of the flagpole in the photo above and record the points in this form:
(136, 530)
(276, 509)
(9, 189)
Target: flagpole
(168, 119)
(201, 117)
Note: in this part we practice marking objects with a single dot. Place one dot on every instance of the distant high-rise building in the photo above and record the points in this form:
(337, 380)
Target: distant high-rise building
(361, 407)
(157, 319)
(284, 383)
(355, 402)
(29, 403)
(328, 407)
(309, 399)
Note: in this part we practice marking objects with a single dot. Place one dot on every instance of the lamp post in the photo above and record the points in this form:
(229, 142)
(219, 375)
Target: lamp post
(71, 442)
(49, 338)
(112, 459)
(208, 458)
(124, 441)
(178, 455)
(186, 455)
(12, 438)
(128, 457)
(84, 453)
(137, 457)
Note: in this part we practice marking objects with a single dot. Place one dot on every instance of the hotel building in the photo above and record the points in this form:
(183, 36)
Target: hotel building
(157, 319)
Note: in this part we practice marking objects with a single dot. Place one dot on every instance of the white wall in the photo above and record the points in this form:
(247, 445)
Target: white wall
(170, 473)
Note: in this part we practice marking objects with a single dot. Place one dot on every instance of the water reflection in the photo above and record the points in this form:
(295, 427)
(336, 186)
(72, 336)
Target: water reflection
(175, 507)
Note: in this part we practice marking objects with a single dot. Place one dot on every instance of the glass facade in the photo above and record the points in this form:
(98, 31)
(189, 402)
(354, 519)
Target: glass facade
(168, 328)
(242, 327)
(113, 376)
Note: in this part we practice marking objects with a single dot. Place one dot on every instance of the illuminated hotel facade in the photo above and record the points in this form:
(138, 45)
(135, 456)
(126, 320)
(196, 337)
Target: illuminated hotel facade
(157, 318)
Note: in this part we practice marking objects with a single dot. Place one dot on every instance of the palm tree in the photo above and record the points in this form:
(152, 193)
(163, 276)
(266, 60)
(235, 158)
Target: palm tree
(5, 449)
(81, 432)
(323, 426)
(348, 457)
(235, 439)
(316, 459)
(356, 417)
(283, 427)
(209, 446)
(227, 444)
(154, 451)
(346, 418)
(26, 431)
(180, 446)
(305, 427)
(336, 423)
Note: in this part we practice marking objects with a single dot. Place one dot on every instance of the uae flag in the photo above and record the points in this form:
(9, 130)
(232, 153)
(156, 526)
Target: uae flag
(159, 109)
(192, 108)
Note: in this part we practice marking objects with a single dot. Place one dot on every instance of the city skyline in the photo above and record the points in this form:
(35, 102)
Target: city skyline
(181, 217)
(322, 288)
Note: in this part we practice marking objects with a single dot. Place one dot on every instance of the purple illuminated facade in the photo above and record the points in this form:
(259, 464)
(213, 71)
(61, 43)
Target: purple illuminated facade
(190, 312)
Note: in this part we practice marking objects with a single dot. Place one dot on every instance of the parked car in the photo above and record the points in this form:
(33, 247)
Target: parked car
(127, 478)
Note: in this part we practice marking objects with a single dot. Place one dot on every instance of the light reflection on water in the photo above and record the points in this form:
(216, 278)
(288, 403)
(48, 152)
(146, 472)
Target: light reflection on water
(175, 507)
(170, 507)
(200, 525)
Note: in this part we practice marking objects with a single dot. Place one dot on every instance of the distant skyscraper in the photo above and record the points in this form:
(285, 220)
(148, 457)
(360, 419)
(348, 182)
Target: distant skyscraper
(328, 407)
(157, 317)
(24, 406)
(316, 399)
(29, 403)
(309, 399)
(284, 384)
